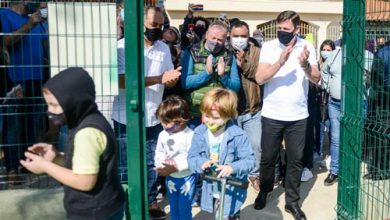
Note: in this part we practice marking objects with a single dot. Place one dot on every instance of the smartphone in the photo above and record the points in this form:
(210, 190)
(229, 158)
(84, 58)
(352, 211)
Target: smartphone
(197, 7)
(191, 27)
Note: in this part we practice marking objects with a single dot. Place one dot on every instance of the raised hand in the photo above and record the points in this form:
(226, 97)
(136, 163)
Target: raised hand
(285, 55)
(303, 57)
(240, 54)
(221, 67)
(170, 78)
(209, 64)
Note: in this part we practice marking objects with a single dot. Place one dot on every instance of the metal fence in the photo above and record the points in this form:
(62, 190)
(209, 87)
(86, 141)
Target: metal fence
(364, 186)
(63, 34)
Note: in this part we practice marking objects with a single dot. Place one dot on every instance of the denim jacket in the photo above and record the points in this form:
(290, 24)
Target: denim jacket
(236, 151)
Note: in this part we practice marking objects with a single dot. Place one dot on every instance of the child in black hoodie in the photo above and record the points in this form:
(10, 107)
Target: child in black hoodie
(88, 169)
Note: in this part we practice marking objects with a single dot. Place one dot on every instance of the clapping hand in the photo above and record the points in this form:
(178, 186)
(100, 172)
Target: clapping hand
(303, 57)
(171, 77)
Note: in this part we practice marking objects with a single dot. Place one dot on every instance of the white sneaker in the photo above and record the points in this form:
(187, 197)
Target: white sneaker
(306, 175)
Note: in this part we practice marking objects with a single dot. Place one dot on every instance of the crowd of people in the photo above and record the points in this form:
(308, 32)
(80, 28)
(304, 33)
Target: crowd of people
(217, 102)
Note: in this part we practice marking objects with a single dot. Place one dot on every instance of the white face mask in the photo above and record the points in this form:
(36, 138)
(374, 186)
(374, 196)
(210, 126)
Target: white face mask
(239, 42)
(325, 54)
(44, 12)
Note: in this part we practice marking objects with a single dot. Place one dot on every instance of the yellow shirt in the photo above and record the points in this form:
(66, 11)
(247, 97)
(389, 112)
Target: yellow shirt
(89, 145)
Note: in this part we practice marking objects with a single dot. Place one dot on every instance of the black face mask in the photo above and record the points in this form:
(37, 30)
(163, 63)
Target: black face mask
(199, 30)
(57, 119)
(214, 47)
(153, 34)
(285, 37)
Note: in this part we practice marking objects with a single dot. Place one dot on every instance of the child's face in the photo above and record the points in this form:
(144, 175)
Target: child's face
(213, 118)
(52, 103)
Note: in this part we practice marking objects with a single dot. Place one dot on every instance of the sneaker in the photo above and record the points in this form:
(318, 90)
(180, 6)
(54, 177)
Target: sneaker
(330, 179)
(255, 182)
(156, 212)
(306, 175)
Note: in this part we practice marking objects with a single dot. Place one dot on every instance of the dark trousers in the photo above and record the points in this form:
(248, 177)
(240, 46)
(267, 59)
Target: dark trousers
(273, 132)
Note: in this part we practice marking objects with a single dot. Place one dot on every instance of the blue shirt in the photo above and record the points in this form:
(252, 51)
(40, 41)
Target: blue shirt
(26, 55)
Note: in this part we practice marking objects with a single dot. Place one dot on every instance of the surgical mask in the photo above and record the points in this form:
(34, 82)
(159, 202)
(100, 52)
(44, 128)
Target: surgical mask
(153, 34)
(215, 127)
(122, 13)
(285, 37)
(259, 40)
(325, 54)
(214, 47)
(44, 12)
(57, 119)
(239, 43)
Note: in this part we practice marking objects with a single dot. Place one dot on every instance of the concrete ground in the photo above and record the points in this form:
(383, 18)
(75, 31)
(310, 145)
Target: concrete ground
(318, 202)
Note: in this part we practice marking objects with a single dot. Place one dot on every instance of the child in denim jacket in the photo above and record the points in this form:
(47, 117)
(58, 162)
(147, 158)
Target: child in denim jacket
(221, 145)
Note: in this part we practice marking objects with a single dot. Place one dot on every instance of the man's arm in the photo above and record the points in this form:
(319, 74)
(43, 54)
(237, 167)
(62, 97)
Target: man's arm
(188, 79)
(26, 28)
(265, 71)
(312, 73)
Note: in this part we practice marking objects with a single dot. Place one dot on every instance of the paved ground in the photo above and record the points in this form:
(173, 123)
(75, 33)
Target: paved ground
(318, 202)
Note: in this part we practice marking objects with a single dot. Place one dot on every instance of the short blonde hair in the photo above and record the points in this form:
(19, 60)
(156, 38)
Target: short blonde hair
(224, 101)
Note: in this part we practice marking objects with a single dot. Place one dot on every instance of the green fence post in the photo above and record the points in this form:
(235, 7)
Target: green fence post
(353, 44)
(136, 150)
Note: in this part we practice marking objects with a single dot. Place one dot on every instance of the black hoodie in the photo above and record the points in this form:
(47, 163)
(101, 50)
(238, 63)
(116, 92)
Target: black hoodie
(75, 91)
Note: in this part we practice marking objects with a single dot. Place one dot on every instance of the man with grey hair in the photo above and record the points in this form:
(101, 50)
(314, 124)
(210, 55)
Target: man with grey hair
(206, 65)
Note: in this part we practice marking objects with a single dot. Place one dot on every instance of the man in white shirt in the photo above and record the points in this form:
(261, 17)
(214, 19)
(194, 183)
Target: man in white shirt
(285, 67)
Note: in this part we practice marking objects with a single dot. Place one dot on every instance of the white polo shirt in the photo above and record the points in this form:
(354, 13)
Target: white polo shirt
(157, 60)
(285, 95)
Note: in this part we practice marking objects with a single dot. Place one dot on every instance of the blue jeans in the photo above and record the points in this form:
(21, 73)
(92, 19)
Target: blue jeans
(323, 125)
(180, 202)
(151, 142)
(334, 110)
(251, 124)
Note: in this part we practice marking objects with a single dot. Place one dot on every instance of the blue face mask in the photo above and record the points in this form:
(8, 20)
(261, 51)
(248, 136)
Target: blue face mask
(325, 54)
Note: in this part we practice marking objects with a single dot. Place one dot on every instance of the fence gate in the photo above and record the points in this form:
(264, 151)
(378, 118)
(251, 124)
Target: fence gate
(364, 186)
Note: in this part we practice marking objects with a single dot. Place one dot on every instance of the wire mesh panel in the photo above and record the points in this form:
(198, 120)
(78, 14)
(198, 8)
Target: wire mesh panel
(375, 188)
(37, 40)
(364, 186)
